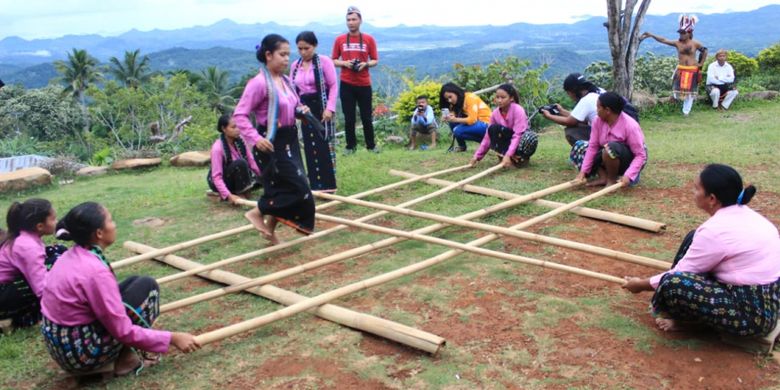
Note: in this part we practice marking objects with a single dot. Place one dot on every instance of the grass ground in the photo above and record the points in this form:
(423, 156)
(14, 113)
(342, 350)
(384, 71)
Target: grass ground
(507, 325)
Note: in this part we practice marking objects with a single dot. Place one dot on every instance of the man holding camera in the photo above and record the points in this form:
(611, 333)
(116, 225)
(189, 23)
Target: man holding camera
(423, 122)
(355, 52)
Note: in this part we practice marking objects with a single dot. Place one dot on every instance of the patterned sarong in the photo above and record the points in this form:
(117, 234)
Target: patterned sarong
(686, 81)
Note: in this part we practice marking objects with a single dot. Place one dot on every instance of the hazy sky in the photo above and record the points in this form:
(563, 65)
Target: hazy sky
(54, 18)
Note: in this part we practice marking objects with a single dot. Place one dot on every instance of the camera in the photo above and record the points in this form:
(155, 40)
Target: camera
(552, 108)
(420, 108)
(356, 65)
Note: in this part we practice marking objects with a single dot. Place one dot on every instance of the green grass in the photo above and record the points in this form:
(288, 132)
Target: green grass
(745, 137)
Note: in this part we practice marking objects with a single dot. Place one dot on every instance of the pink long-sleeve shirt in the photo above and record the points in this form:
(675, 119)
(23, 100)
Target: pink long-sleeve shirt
(736, 245)
(306, 81)
(515, 119)
(255, 100)
(80, 290)
(217, 158)
(26, 259)
(626, 131)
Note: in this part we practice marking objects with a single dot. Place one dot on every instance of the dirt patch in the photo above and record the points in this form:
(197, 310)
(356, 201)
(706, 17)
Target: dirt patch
(151, 222)
(305, 372)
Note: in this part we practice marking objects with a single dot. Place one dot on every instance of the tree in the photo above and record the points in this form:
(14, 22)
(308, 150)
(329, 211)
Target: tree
(215, 84)
(131, 72)
(78, 74)
(769, 58)
(623, 30)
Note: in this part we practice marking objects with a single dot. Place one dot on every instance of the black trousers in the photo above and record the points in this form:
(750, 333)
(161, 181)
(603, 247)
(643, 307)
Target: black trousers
(17, 299)
(352, 96)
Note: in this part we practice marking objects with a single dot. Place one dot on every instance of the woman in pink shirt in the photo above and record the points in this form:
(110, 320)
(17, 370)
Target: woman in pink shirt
(508, 133)
(314, 77)
(89, 319)
(233, 167)
(286, 196)
(616, 145)
(24, 260)
(726, 274)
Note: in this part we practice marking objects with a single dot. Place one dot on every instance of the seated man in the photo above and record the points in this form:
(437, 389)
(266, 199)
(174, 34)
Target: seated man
(423, 122)
(720, 82)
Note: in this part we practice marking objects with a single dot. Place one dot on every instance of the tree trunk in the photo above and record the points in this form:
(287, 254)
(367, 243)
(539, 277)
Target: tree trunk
(623, 27)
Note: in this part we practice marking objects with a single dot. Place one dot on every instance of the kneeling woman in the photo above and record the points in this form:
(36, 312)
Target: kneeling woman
(468, 114)
(286, 195)
(508, 133)
(233, 167)
(24, 260)
(726, 274)
(616, 146)
(89, 319)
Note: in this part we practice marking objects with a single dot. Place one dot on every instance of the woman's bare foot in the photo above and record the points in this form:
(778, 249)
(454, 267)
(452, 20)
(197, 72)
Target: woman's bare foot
(127, 362)
(667, 324)
(596, 183)
(271, 225)
(256, 219)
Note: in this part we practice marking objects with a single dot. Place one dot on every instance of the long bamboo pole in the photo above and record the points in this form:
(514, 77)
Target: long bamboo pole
(187, 244)
(400, 333)
(323, 233)
(625, 220)
(257, 322)
(350, 253)
(623, 256)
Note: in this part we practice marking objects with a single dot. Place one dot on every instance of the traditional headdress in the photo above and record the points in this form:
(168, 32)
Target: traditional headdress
(687, 23)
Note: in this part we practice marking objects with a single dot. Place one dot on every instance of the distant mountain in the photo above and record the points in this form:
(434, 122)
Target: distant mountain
(430, 49)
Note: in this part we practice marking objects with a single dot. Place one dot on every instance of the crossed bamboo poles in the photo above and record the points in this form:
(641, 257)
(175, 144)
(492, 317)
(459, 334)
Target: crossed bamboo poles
(419, 234)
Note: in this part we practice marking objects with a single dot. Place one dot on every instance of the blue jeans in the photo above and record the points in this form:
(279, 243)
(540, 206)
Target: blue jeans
(473, 132)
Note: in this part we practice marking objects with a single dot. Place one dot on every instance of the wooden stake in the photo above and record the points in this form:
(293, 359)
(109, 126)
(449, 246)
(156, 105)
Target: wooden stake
(400, 333)
(646, 261)
(257, 322)
(187, 244)
(349, 254)
(625, 220)
(323, 233)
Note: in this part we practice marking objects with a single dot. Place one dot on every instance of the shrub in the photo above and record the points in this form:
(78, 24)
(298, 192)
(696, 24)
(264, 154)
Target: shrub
(769, 58)
(407, 100)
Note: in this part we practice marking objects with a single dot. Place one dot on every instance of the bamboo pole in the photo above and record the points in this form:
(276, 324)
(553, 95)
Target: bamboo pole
(623, 256)
(634, 222)
(187, 244)
(257, 322)
(399, 333)
(348, 254)
(323, 233)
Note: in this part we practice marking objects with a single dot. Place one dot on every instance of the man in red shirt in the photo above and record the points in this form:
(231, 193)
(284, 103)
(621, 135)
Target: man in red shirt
(354, 53)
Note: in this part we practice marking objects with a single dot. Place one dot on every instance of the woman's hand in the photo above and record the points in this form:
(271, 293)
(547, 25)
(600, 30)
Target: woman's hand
(184, 342)
(327, 116)
(304, 109)
(637, 285)
(625, 180)
(473, 162)
(506, 162)
(580, 176)
(264, 145)
(234, 199)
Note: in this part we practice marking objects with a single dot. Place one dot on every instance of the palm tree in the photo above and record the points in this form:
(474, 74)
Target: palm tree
(193, 78)
(78, 72)
(215, 84)
(131, 72)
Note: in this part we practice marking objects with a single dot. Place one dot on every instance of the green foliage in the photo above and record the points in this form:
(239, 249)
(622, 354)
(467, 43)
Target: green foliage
(102, 157)
(146, 118)
(78, 73)
(406, 103)
(743, 65)
(652, 74)
(214, 83)
(19, 145)
(39, 113)
(600, 73)
(769, 58)
(131, 72)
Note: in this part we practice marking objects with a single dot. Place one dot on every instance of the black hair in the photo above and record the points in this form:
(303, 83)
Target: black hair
(613, 101)
(422, 97)
(223, 121)
(578, 84)
(82, 222)
(270, 43)
(725, 183)
(511, 91)
(458, 91)
(308, 37)
(24, 216)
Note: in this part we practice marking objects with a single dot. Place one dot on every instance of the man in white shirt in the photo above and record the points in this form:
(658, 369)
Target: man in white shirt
(578, 120)
(720, 81)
